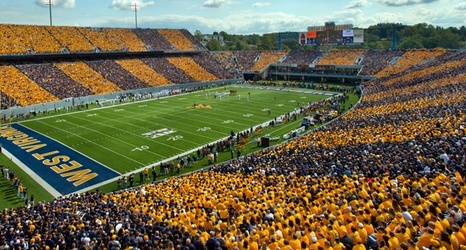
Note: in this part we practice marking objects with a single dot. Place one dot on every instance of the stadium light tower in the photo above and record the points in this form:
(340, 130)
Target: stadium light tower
(50, 3)
(135, 6)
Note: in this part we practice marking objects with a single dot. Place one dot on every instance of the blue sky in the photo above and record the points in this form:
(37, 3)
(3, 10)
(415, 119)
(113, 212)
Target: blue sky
(233, 16)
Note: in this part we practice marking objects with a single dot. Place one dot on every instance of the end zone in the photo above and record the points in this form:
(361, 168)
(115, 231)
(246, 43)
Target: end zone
(61, 168)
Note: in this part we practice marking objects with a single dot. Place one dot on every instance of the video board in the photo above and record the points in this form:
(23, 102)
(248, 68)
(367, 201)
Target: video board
(332, 37)
(329, 38)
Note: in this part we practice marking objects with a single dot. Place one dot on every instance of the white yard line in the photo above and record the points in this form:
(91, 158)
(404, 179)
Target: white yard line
(96, 108)
(105, 148)
(64, 145)
(126, 132)
(159, 125)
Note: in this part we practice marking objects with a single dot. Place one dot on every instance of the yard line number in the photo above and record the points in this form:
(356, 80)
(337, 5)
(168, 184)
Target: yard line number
(141, 148)
(204, 129)
(175, 138)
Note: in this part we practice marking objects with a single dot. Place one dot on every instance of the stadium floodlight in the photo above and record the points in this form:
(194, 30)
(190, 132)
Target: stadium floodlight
(50, 3)
(135, 6)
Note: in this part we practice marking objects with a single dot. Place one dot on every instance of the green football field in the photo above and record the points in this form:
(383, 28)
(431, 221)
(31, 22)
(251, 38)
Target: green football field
(135, 135)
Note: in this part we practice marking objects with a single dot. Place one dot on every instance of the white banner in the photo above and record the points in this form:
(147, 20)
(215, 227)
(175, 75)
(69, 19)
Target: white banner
(358, 36)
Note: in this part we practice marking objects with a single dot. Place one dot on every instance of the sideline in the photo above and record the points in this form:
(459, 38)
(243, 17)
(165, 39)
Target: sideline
(32, 174)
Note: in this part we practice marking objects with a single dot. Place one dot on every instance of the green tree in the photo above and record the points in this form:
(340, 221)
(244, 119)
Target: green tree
(253, 39)
(462, 32)
(225, 35)
(378, 45)
(267, 43)
(411, 43)
(238, 45)
(444, 38)
(198, 35)
(214, 45)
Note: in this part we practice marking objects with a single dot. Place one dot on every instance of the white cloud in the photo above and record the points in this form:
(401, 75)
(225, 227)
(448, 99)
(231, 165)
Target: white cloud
(250, 21)
(246, 22)
(215, 3)
(356, 4)
(461, 6)
(129, 4)
(260, 4)
(397, 3)
(57, 3)
(444, 17)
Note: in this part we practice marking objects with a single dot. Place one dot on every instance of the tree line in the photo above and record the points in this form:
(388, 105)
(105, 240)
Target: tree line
(379, 36)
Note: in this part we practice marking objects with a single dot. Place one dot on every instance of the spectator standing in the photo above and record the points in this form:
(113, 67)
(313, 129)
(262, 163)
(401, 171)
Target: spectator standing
(154, 173)
(131, 180)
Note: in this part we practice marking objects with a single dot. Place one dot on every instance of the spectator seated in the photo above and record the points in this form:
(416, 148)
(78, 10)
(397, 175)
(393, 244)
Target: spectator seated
(339, 57)
(143, 72)
(21, 88)
(193, 69)
(168, 70)
(90, 79)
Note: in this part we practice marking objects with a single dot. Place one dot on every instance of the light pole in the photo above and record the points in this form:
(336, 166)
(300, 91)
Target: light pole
(134, 5)
(50, 3)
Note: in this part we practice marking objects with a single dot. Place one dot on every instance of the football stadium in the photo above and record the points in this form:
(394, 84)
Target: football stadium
(143, 138)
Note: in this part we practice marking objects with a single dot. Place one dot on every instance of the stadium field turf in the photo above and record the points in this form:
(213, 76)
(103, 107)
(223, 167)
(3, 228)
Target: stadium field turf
(132, 136)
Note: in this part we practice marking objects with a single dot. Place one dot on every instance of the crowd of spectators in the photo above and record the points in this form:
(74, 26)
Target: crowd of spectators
(21, 88)
(143, 72)
(410, 58)
(26, 39)
(70, 38)
(86, 76)
(188, 65)
(340, 57)
(126, 39)
(447, 63)
(302, 57)
(375, 60)
(177, 39)
(245, 60)
(53, 80)
(227, 61)
(387, 175)
(7, 101)
(268, 57)
(405, 84)
(100, 39)
(162, 66)
(113, 72)
(448, 58)
(153, 40)
(207, 61)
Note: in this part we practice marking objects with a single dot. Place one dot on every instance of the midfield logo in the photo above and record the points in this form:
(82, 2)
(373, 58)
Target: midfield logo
(158, 133)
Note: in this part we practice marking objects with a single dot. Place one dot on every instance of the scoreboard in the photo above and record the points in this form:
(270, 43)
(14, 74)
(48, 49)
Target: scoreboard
(308, 38)
(332, 37)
